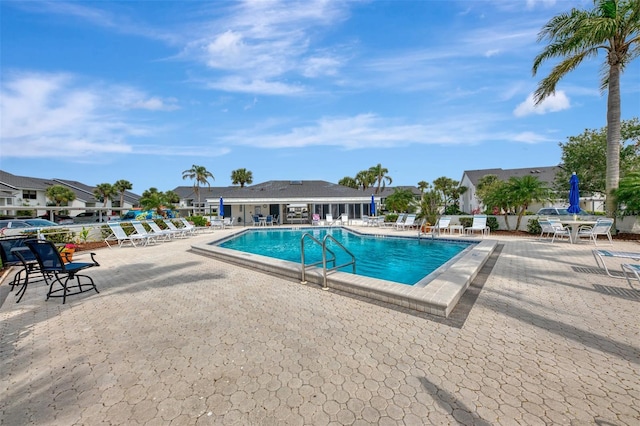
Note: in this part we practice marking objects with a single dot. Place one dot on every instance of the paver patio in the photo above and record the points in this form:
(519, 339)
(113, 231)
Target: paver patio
(178, 338)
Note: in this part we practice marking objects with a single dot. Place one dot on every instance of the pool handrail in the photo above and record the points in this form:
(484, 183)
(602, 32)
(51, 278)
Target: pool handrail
(302, 261)
(324, 258)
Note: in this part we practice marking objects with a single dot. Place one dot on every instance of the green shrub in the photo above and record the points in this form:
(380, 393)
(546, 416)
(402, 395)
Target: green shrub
(197, 220)
(391, 217)
(533, 227)
(58, 235)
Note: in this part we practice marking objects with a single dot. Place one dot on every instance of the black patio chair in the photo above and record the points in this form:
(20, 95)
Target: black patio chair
(54, 270)
(14, 252)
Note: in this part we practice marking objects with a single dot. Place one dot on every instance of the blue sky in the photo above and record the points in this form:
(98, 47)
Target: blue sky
(142, 90)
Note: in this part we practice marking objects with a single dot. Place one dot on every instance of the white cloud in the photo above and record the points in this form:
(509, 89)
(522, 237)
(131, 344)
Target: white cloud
(554, 103)
(55, 115)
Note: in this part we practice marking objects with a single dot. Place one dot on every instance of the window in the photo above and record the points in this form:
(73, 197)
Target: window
(28, 194)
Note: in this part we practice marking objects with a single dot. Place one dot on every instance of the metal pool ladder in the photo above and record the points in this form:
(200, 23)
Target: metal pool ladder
(324, 260)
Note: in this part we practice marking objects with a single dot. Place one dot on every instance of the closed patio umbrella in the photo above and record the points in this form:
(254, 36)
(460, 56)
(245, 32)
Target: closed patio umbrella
(373, 206)
(221, 208)
(574, 195)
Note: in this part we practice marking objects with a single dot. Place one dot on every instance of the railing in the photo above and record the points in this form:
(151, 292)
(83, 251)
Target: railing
(324, 260)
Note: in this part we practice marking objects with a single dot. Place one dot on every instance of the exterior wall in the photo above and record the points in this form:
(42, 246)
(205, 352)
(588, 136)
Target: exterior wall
(468, 201)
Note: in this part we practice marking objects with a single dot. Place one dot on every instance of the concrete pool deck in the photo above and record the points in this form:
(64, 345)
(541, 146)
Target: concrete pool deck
(179, 338)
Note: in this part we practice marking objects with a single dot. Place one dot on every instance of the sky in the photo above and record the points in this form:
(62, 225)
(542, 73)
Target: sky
(143, 90)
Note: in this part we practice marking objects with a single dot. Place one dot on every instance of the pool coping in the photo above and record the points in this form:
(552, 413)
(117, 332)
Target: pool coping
(439, 297)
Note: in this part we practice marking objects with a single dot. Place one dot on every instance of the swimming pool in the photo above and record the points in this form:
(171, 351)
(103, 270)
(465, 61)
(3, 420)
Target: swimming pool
(402, 260)
(437, 293)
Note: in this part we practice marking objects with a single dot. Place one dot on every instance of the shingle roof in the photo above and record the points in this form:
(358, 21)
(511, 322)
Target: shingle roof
(544, 174)
(277, 190)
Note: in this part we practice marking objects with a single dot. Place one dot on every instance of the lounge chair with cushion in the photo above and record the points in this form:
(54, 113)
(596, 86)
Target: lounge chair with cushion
(601, 255)
(118, 234)
(315, 219)
(479, 224)
(601, 227)
(54, 270)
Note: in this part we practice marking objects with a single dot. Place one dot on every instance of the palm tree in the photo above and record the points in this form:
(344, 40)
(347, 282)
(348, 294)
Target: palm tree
(241, 176)
(365, 179)
(522, 191)
(423, 185)
(152, 199)
(104, 192)
(348, 182)
(120, 187)
(379, 174)
(200, 175)
(60, 194)
(612, 27)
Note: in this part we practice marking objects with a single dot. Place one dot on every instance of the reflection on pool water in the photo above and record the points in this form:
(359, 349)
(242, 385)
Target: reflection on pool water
(391, 258)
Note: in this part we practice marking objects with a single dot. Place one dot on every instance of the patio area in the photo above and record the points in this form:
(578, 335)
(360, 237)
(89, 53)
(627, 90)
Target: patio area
(541, 337)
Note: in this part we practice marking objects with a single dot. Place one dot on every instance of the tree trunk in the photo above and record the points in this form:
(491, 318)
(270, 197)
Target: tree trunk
(613, 139)
(506, 220)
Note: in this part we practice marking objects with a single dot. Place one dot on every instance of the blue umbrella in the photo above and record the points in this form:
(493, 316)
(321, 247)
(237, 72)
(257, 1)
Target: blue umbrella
(574, 195)
(373, 206)
(221, 208)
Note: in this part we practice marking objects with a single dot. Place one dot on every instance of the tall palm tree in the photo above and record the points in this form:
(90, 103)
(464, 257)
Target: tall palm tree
(522, 191)
(104, 192)
(241, 176)
(120, 187)
(380, 176)
(613, 27)
(423, 185)
(200, 175)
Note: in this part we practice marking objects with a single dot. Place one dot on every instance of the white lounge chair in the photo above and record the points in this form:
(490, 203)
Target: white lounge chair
(601, 227)
(179, 232)
(118, 234)
(600, 256)
(161, 234)
(408, 223)
(633, 269)
(441, 226)
(399, 221)
(344, 219)
(227, 222)
(329, 220)
(140, 230)
(191, 229)
(479, 225)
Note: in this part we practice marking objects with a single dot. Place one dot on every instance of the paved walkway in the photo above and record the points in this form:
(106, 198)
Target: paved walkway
(177, 338)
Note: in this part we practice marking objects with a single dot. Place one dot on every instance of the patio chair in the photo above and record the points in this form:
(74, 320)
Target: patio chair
(600, 255)
(14, 252)
(553, 229)
(54, 270)
(315, 219)
(479, 224)
(601, 227)
(344, 219)
(408, 223)
(118, 234)
(178, 232)
(140, 230)
(256, 220)
(633, 269)
(269, 221)
(227, 222)
(161, 234)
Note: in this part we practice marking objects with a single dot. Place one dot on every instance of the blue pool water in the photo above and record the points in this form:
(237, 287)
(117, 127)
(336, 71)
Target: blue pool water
(402, 260)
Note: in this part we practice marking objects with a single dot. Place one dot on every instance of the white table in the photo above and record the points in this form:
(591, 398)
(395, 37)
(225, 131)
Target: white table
(575, 225)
